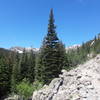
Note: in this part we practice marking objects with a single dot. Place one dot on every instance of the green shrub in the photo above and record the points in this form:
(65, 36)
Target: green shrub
(25, 89)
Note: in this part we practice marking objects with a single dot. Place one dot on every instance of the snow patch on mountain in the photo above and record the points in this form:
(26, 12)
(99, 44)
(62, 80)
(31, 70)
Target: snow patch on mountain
(28, 49)
(21, 49)
(73, 47)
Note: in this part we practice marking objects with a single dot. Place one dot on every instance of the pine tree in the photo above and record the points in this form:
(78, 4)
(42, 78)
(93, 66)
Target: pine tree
(31, 66)
(24, 66)
(52, 55)
(15, 78)
(4, 77)
(27, 65)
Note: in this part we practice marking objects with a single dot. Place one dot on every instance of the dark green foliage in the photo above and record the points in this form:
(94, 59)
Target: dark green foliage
(4, 77)
(24, 65)
(96, 45)
(81, 54)
(26, 72)
(14, 67)
(28, 65)
(31, 66)
(78, 55)
(52, 55)
(16, 74)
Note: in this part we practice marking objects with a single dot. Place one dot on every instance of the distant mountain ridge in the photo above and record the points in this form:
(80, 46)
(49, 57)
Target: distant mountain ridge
(73, 47)
(28, 49)
(20, 49)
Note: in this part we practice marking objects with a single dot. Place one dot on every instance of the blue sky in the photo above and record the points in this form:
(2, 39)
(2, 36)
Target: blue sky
(24, 22)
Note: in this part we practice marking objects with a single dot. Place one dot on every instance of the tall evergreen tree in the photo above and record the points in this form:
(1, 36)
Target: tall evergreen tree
(24, 66)
(52, 55)
(15, 78)
(4, 77)
(31, 66)
(28, 65)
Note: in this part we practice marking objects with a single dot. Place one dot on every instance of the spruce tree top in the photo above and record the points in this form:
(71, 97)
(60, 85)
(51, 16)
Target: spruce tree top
(51, 26)
(51, 34)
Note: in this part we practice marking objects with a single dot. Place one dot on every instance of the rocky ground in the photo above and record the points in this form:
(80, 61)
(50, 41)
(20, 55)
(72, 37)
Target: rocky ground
(81, 83)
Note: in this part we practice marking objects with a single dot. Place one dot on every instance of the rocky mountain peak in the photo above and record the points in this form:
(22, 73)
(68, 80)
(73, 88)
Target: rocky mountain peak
(73, 47)
(81, 83)
(20, 49)
(28, 49)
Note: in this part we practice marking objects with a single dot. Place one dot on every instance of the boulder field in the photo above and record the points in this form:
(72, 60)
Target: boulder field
(81, 83)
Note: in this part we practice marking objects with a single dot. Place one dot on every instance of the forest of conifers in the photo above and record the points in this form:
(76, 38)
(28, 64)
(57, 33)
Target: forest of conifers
(39, 68)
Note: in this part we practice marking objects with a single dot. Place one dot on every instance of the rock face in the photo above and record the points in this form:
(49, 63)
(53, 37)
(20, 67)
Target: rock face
(81, 83)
